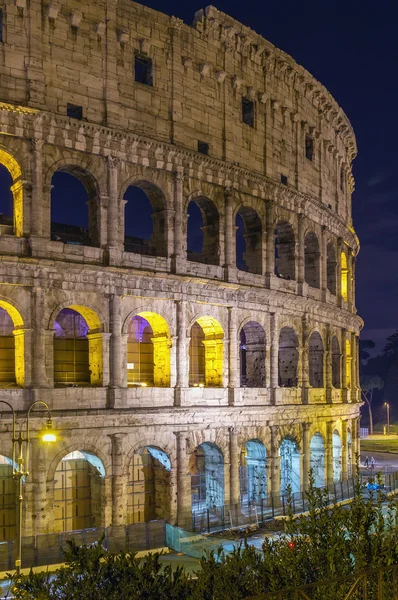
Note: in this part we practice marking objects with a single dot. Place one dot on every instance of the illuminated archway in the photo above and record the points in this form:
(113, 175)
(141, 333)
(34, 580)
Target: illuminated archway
(289, 466)
(317, 459)
(77, 347)
(75, 209)
(145, 222)
(148, 351)
(253, 474)
(12, 346)
(149, 485)
(12, 223)
(344, 277)
(288, 357)
(285, 251)
(315, 358)
(312, 260)
(206, 353)
(78, 492)
(203, 231)
(252, 355)
(337, 452)
(206, 467)
(8, 500)
(248, 240)
(348, 360)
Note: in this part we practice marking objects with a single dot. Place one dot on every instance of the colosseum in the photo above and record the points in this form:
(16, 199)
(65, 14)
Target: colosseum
(210, 361)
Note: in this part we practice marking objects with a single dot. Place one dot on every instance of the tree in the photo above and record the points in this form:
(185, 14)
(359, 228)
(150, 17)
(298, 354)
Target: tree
(364, 345)
(391, 346)
(370, 383)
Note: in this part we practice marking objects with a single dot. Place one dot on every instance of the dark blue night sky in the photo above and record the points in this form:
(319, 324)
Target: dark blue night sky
(352, 48)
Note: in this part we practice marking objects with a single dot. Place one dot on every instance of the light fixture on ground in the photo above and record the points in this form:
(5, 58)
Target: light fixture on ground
(20, 463)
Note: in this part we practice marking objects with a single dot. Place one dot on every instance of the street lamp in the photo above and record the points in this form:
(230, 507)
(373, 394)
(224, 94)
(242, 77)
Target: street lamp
(20, 465)
(386, 404)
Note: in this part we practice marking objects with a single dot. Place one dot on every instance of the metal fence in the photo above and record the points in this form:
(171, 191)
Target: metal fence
(378, 584)
(47, 549)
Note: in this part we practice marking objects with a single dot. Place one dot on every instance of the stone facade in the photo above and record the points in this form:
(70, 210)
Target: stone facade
(280, 152)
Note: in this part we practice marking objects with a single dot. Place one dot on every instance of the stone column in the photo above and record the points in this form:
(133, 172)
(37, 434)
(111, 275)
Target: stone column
(323, 264)
(115, 237)
(43, 345)
(180, 250)
(229, 234)
(173, 496)
(354, 360)
(306, 454)
(274, 356)
(300, 262)
(116, 366)
(119, 481)
(356, 444)
(183, 481)
(344, 452)
(41, 512)
(275, 460)
(344, 386)
(353, 267)
(182, 351)
(350, 260)
(234, 366)
(305, 379)
(36, 220)
(329, 454)
(270, 242)
(328, 367)
(99, 358)
(340, 247)
(234, 476)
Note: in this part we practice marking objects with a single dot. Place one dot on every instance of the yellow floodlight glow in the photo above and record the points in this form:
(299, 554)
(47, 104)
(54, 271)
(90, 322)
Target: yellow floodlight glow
(49, 436)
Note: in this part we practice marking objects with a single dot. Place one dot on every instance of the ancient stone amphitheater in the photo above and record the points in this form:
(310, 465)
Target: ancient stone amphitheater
(211, 361)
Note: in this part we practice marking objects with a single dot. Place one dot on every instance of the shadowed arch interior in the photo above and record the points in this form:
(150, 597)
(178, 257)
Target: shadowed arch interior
(206, 467)
(337, 455)
(316, 360)
(336, 363)
(288, 357)
(253, 473)
(149, 485)
(331, 266)
(285, 251)
(145, 223)
(312, 260)
(252, 355)
(206, 353)
(289, 466)
(203, 244)
(148, 351)
(317, 459)
(75, 207)
(248, 240)
(78, 492)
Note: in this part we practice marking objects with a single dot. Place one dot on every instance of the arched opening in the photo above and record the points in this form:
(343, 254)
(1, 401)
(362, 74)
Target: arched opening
(315, 359)
(348, 360)
(285, 251)
(331, 266)
(6, 202)
(203, 231)
(8, 500)
(206, 353)
(77, 347)
(253, 474)
(248, 241)
(289, 466)
(78, 492)
(336, 456)
(11, 195)
(317, 459)
(149, 480)
(148, 351)
(349, 453)
(311, 260)
(206, 467)
(145, 224)
(336, 362)
(252, 355)
(12, 347)
(74, 207)
(288, 357)
(344, 277)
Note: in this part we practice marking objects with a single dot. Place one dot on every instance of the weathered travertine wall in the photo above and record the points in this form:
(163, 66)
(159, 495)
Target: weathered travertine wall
(147, 135)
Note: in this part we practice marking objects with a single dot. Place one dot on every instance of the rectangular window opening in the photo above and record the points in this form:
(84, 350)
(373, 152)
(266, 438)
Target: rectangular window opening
(1, 24)
(284, 179)
(309, 147)
(203, 147)
(248, 112)
(342, 179)
(74, 111)
(143, 70)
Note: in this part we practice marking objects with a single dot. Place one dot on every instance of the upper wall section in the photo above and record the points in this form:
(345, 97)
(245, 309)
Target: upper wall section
(83, 53)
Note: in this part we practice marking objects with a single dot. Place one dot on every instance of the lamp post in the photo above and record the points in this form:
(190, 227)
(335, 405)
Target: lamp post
(387, 405)
(20, 464)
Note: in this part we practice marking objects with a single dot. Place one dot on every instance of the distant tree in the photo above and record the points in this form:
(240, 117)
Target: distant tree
(364, 346)
(391, 346)
(370, 383)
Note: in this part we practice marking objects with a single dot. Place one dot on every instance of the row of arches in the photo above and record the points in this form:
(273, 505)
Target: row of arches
(75, 216)
(78, 352)
(79, 493)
